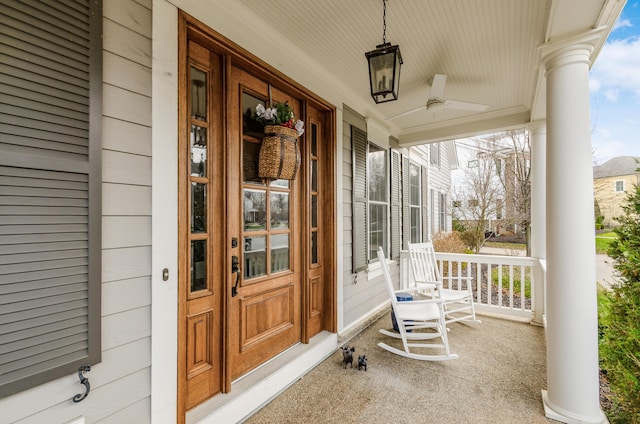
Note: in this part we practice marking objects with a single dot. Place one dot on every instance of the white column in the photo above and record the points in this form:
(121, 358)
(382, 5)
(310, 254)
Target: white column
(572, 394)
(538, 238)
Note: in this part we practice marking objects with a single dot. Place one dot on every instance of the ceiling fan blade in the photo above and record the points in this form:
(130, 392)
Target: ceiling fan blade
(437, 86)
(406, 113)
(457, 104)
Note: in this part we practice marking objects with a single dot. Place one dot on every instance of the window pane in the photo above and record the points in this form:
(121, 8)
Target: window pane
(198, 265)
(314, 211)
(198, 142)
(198, 208)
(377, 173)
(250, 126)
(250, 156)
(377, 229)
(314, 139)
(314, 175)
(434, 153)
(314, 247)
(279, 211)
(252, 134)
(280, 183)
(198, 94)
(443, 211)
(414, 184)
(255, 213)
(255, 256)
(279, 252)
(415, 225)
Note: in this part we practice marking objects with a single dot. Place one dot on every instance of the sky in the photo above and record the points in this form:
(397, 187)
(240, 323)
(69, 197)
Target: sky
(614, 82)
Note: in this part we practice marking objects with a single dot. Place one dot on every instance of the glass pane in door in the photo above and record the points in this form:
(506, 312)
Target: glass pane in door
(279, 211)
(198, 265)
(198, 94)
(198, 141)
(279, 252)
(255, 212)
(198, 208)
(255, 256)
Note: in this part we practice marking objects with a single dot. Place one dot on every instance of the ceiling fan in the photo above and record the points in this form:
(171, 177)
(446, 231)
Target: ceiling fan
(436, 100)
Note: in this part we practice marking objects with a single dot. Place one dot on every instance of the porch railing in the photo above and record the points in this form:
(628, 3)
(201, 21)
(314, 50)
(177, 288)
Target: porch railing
(501, 285)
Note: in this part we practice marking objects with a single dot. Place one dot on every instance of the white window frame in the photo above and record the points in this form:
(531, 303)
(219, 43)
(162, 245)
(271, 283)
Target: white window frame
(384, 230)
(415, 204)
(442, 212)
(434, 153)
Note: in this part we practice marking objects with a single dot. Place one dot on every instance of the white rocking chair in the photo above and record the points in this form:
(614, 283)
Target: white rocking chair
(458, 303)
(412, 317)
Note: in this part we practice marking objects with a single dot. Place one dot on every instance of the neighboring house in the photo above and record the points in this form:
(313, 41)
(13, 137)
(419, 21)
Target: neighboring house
(136, 236)
(492, 181)
(477, 192)
(442, 159)
(612, 183)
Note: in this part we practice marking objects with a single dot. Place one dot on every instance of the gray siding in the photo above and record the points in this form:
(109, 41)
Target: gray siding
(440, 182)
(121, 383)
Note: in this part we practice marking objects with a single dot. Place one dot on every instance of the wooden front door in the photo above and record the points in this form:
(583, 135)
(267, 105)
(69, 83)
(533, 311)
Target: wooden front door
(264, 310)
(256, 264)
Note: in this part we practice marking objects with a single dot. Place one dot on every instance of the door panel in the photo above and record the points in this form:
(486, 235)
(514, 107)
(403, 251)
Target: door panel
(316, 222)
(201, 229)
(265, 316)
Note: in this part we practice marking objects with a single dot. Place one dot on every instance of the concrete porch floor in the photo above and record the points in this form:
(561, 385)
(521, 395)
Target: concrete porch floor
(497, 379)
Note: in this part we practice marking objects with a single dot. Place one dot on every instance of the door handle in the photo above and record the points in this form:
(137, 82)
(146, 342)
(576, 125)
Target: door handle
(235, 267)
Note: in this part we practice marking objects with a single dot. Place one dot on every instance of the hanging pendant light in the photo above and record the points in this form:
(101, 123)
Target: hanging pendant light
(384, 67)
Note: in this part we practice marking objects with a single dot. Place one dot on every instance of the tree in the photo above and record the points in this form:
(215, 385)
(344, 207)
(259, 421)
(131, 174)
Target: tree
(516, 180)
(620, 317)
(478, 199)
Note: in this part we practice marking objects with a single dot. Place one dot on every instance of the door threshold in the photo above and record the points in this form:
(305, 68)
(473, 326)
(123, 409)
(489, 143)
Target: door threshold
(255, 389)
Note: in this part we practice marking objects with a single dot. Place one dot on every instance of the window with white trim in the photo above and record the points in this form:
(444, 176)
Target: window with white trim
(415, 202)
(442, 211)
(378, 189)
(619, 186)
(434, 153)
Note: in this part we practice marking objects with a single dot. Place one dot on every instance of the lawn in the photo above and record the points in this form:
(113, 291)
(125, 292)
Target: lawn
(602, 243)
(603, 240)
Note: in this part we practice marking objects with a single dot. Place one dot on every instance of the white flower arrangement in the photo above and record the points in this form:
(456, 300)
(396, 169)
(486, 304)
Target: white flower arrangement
(279, 114)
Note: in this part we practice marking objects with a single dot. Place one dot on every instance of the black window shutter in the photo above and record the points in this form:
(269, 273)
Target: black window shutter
(406, 202)
(396, 215)
(359, 205)
(50, 190)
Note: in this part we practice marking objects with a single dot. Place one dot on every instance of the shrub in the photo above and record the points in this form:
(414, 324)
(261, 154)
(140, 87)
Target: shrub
(469, 239)
(620, 316)
(449, 242)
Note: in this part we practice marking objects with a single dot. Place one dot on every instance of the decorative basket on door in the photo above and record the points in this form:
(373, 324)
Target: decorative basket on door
(279, 153)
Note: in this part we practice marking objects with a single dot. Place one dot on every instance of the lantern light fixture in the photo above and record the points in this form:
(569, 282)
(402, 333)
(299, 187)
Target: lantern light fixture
(384, 67)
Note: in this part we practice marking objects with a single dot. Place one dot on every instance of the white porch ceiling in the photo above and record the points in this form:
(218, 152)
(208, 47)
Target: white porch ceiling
(489, 50)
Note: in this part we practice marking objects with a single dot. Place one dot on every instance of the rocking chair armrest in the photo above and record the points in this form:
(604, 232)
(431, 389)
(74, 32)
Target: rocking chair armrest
(435, 300)
(422, 285)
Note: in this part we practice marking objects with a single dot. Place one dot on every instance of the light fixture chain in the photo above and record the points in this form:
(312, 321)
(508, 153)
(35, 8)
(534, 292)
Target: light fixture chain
(384, 21)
